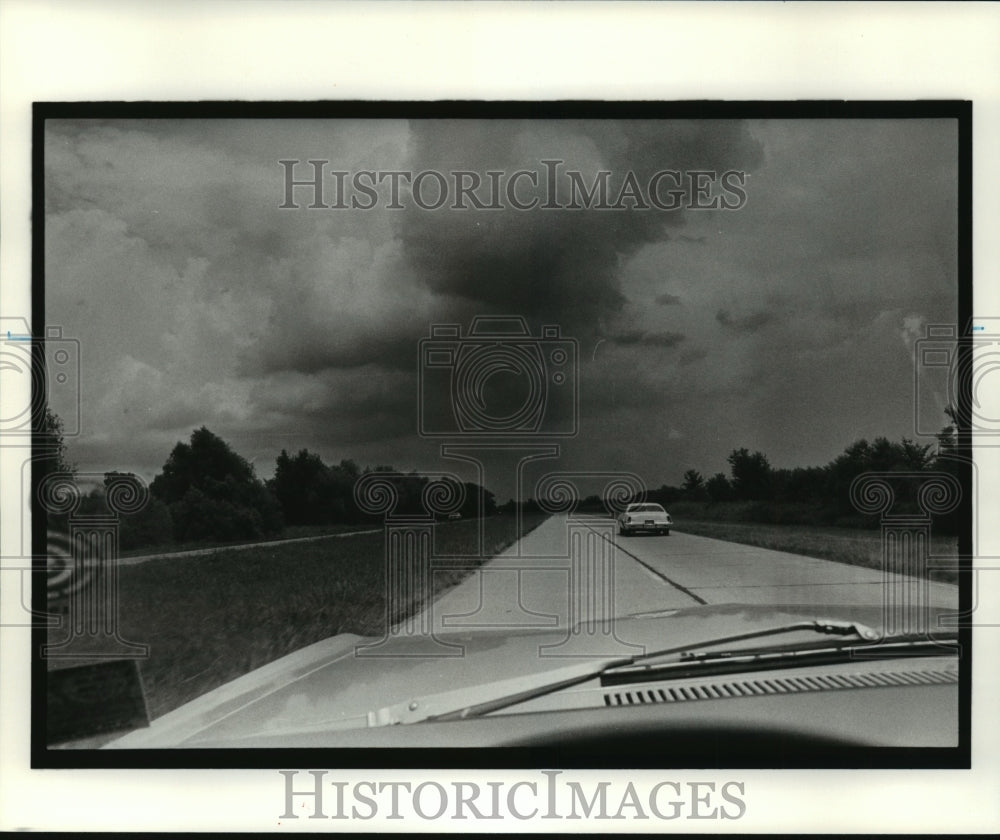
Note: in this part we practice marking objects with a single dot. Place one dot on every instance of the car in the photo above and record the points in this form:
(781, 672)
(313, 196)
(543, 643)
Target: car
(620, 670)
(755, 684)
(644, 516)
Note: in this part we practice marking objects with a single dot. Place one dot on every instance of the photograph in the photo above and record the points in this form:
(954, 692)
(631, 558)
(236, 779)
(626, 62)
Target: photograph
(499, 417)
(631, 434)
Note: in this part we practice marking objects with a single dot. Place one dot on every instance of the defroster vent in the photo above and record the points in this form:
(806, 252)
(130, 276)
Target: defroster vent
(776, 685)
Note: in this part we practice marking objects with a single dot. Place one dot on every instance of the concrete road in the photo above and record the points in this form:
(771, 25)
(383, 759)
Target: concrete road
(716, 571)
(578, 569)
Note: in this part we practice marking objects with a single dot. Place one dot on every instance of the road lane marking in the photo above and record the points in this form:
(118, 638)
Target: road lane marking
(649, 568)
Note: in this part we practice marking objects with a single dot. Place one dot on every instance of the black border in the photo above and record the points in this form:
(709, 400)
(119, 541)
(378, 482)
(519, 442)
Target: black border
(504, 758)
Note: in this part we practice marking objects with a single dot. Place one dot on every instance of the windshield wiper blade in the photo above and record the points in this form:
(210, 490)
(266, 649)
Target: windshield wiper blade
(827, 627)
(491, 697)
(895, 643)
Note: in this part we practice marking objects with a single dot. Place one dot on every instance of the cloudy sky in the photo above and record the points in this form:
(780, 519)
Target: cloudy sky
(786, 325)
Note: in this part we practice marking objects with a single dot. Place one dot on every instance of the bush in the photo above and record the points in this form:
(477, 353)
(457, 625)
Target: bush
(214, 494)
(198, 516)
(152, 525)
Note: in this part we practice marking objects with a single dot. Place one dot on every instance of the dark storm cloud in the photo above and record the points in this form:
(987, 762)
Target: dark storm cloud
(359, 404)
(693, 356)
(559, 266)
(746, 324)
(198, 301)
(388, 352)
(647, 339)
(356, 303)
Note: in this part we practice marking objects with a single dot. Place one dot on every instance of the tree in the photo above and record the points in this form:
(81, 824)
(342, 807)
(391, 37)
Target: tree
(718, 488)
(313, 493)
(152, 525)
(947, 438)
(349, 469)
(205, 462)
(751, 475)
(302, 486)
(665, 495)
(799, 485)
(213, 493)
(694, 485)
(882, 456)
(951, 460)
(50, 443)
(478, 501)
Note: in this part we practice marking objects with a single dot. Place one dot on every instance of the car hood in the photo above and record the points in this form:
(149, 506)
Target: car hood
(334, 684)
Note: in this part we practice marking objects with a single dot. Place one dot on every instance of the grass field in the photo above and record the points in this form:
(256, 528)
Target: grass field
(212, 618)
(854, 546)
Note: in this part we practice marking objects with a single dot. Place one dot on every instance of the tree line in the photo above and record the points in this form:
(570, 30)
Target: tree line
(754, 490)
(206, 491)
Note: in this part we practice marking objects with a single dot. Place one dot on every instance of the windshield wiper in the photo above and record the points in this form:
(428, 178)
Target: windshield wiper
(825, 626)
(491, 697)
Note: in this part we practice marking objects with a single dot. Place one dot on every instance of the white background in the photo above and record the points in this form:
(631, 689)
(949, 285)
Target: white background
(63, 51)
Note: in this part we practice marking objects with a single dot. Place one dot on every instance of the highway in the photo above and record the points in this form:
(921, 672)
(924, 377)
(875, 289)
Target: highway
(572, 578)
(579, 569)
